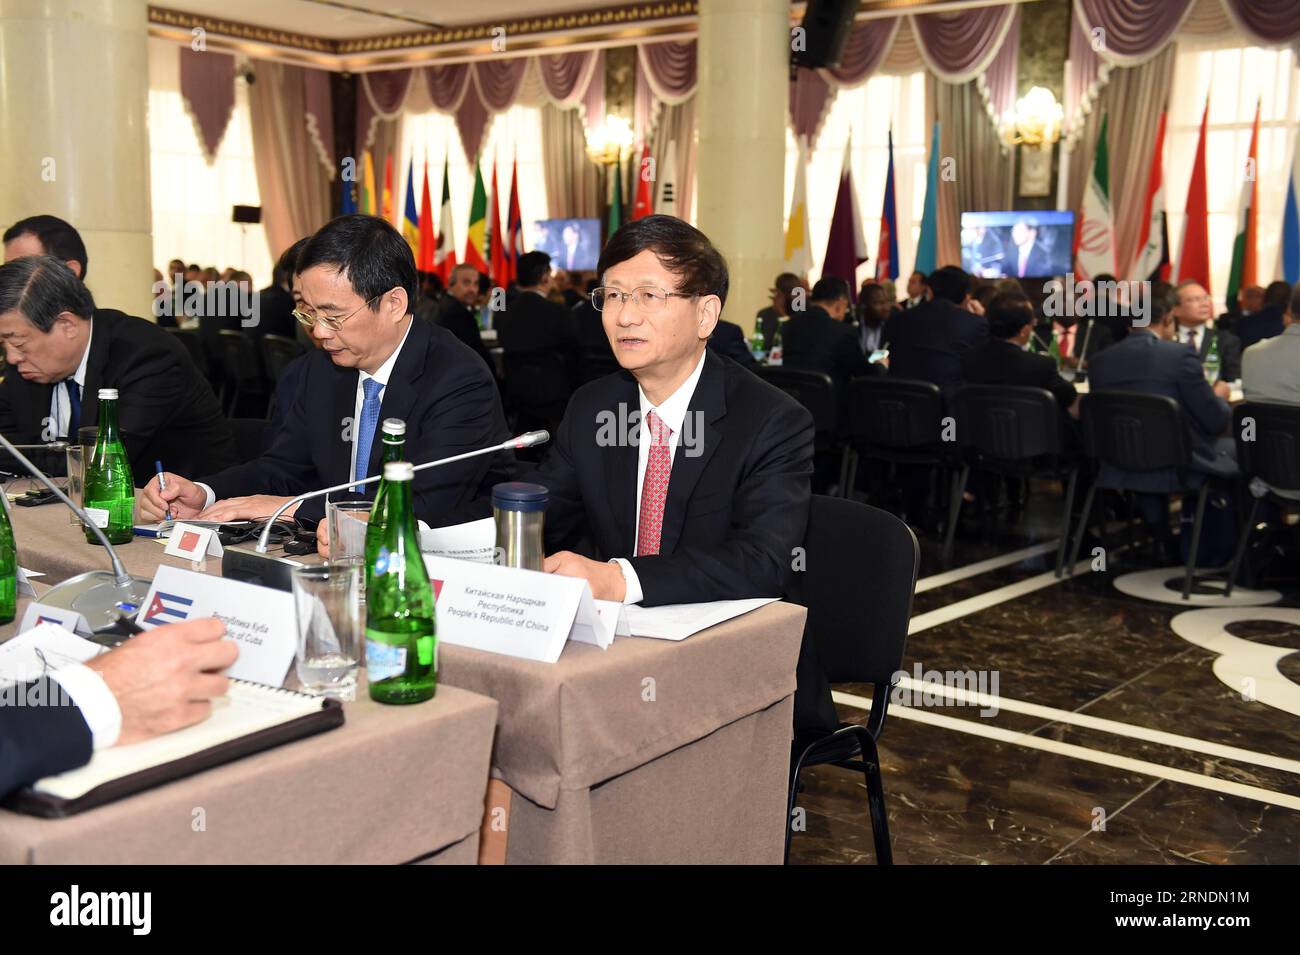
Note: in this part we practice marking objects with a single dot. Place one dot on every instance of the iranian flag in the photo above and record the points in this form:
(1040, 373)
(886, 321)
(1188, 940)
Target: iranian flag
(444, 253)
(1153, 248)
(1244, 272)
(1094, 251)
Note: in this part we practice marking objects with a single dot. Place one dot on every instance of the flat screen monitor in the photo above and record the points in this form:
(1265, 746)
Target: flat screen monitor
(1030, 244)
(573, 244)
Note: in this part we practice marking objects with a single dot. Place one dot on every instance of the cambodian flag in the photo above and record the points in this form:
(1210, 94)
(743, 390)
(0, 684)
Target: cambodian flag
(168, 608)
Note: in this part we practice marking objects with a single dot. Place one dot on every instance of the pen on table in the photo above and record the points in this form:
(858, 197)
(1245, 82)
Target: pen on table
(162, 486)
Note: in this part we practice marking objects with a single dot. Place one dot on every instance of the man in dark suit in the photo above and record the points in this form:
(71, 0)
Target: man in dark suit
(876, 313)
(1192, 311)
(61, 350)
(817, 339)
(358, 280)
(160, 681)
(1002, 359)
(728, 340)
(595, 357)
(687, 475)
(789, 292)
(275, 303)
(539, 342)
(47, 235)
(1027, 258)
(456, 312)
(930, 338)
(1268, 321)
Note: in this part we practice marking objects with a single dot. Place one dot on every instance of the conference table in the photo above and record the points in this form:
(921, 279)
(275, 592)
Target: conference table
(650, 751)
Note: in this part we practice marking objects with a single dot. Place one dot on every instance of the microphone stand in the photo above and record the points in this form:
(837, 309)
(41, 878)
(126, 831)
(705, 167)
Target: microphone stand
(99, 596)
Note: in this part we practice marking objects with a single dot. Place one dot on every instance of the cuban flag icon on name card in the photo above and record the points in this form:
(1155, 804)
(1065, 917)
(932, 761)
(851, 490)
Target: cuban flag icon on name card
(168, 608)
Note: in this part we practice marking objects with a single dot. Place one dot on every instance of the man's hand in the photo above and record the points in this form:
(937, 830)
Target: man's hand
(165, 679)
(1223, 390)
(247, 508)
(606, 579)
(323, 538)
(183, 496)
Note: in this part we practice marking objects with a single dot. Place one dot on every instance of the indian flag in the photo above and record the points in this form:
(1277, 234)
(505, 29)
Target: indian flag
(1243, 272)
(1094, 251)
(798, 252)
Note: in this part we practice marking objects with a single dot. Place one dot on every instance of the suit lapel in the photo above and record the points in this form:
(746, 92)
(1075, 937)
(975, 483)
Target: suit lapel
(343, 400)
(620, 463)
(402, 388)
(100, 330)
(700, 437)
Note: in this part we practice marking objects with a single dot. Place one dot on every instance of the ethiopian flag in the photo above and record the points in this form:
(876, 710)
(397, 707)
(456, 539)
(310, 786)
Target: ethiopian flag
(476, 236)
(1244, 271)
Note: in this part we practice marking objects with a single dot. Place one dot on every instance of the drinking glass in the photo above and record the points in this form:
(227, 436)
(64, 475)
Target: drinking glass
(348, 521)
(327, 604)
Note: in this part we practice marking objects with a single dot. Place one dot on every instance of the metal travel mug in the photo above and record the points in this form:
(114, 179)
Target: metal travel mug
(519, 508)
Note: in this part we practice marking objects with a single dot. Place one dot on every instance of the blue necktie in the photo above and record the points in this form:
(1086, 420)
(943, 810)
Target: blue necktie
(74, 406)
(366, 426)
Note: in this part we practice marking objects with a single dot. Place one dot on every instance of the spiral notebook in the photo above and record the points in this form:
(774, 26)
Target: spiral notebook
(248, 719)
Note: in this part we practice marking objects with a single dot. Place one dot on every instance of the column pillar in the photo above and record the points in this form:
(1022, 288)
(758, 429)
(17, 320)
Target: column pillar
(744, 55)
(74, 142)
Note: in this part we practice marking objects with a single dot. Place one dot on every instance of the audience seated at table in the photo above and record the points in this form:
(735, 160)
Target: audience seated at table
(931, 337)
(789, 291)
(687, 476)
(61, 349)
(1192, 311)
(819, 339)
(358, 280)
(159, 681)
(1003, 360)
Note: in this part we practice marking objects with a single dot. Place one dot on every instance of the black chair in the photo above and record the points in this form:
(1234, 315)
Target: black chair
(250, 437)
(1136, 432)
(277, 352)
(242, 370)
(1015, 432)
(1272, 455)
(815, 390)
(189, 337)
(537, 388)
(596, 363)
(842, 578)
(901, 421)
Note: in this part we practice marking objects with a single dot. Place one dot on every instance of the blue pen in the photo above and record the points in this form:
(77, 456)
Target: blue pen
(162, 486)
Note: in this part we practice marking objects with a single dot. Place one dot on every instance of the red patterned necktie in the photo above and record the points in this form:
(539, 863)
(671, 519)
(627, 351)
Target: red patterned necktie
(654, 489)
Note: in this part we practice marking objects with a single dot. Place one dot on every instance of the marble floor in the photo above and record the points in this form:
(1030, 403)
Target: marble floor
(1117, 738)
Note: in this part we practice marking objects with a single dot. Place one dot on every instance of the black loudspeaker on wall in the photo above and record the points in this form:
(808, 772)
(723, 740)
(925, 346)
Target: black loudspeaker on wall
(826, 25)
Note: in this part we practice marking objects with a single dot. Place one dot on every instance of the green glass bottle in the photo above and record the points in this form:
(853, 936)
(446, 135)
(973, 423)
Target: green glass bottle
(1054, 349)
(401, 637)
(1212, 363)
(394, 442)
(8, 566)
(109, 495)
(756, 343)
(776, 355)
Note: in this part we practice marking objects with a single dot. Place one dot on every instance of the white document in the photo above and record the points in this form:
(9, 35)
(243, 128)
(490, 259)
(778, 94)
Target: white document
(473, 540)
(44, 648)
(679, 621)
(23, 579)
(596, 622)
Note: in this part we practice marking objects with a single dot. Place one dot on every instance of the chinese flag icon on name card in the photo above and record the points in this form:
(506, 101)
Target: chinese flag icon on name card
(193, 543)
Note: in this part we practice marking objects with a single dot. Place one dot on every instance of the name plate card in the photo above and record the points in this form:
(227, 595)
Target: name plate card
(521, 613)
(259, 619)
(39, 613)
(194, 543)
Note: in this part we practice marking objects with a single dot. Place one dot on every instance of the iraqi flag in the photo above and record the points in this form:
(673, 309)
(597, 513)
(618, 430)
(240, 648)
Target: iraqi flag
(167, 608)
(887, 247)
(1153, 247)
(846, 246)
(1194, 251)
(1094, 251)
(1245, 270)
(444, 253)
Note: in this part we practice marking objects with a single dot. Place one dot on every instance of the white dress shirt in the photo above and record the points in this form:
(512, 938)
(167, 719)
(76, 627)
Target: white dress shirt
(91, 695)
(60, 407)
(672, 412)
(1195, 332)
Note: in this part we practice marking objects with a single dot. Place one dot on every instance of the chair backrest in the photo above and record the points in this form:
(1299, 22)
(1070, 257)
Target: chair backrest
(277, 352)
(896, 413)
(239, 355)
(189, 337)
(250, 437)
(535, 377)
(596, 363)
(1134, 431)
(1008, 422)
(813, 389)
(1268, 443)
(857, 582)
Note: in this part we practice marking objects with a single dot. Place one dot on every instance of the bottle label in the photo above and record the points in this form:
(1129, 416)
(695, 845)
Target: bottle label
(383, 660)
(426, 649)
(98, 516)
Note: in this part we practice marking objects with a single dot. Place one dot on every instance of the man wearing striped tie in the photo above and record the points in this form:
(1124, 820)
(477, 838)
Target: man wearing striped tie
(684, 477)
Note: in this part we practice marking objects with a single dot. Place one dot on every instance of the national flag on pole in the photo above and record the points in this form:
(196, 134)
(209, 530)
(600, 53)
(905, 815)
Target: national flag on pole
(798, 238)
(387, 209)
(643, 204)
(887, 247)
(927, 242)
(366, 201)
(1094, 239)
(476, 236)
(1153, 245)
(1290, 252)
(424, 257)
(410, 216)
(667, 201)
(444, 253)
(1245, 271)
(514, 225)
(348, 203)
(496, 247)
(616, 201)
(846, 246)
(1194, 252)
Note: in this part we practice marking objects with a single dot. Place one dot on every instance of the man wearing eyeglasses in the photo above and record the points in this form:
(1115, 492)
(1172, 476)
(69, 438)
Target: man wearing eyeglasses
(358, 283)
(687, 476)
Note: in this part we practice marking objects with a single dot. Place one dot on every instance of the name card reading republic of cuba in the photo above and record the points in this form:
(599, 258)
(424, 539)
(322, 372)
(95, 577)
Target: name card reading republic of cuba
(259, 619)
(521, 613)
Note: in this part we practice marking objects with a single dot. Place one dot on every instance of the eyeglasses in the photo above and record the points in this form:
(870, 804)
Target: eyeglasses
(648, 298)
(309, 318)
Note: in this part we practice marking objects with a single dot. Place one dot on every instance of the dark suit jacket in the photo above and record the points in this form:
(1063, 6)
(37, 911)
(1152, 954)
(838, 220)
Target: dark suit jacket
(1266, 323)
(1142, 362)
(928, 341)
(40, 740)
(816, 342)
(1229, 351)
(531, 322)
(734, 511)
(728, 340)
(459, 319)
(998, 362)
(1038, 265)
(165, 411)
(274, 314)
(438, 387)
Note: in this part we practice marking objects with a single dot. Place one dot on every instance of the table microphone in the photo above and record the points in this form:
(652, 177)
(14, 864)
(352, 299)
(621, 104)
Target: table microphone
(257, 566)
(99, 596)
